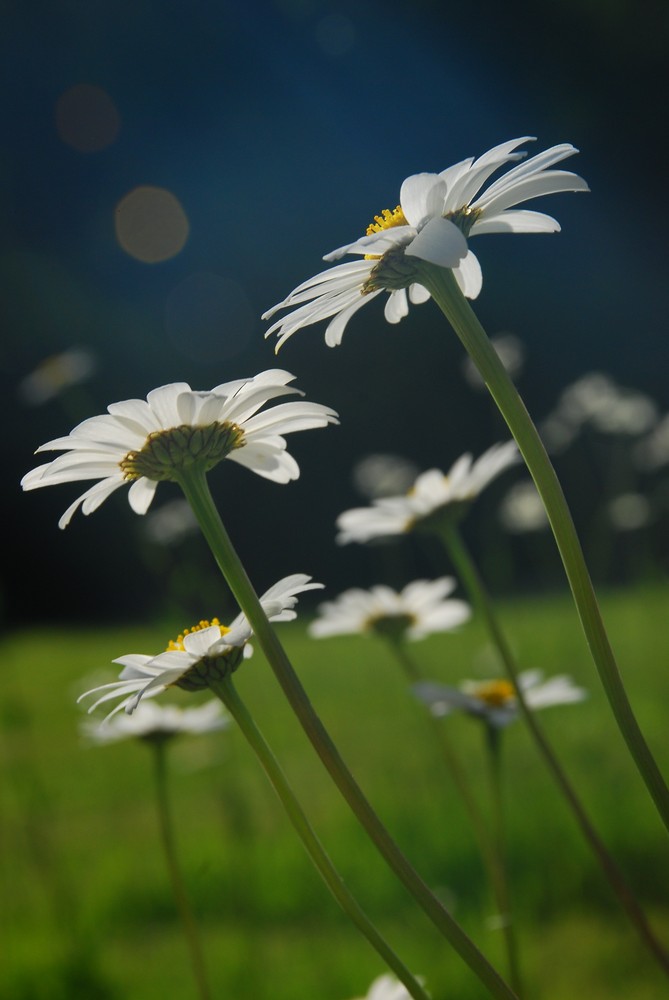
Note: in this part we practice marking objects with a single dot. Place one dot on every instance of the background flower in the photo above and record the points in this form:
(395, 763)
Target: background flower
(151, 721)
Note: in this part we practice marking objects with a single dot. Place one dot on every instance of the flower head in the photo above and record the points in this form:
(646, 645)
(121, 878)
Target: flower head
(145, 442)
(495, 701)
(432, 494)
(56, 374)
(153, 722)
(434, 220)
(418, 610)
(386, 987)
(207, 651)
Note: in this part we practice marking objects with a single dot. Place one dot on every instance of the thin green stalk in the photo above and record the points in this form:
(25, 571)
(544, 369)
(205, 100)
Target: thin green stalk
(196, 490)
(491, 856)
(494, 756)
(178, 886)
(473, 584)
(441, 284)
(229, 695)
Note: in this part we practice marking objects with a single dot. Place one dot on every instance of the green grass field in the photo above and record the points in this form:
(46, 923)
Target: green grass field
(86, 907)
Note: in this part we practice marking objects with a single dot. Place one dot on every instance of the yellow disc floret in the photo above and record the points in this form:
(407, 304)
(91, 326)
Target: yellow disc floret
(496, 694)
(178, 643)
(387, 220)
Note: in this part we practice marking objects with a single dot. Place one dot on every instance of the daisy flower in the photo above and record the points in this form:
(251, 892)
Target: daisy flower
(144, 442)
(434, 220)
(206, 651)
(417, 611)
(432, 493)
(158, 722)
(386, 988)
(495, 701)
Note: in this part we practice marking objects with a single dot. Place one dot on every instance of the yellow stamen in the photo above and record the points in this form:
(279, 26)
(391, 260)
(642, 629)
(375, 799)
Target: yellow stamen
(387, 220)
(178, 643)
(496, 694)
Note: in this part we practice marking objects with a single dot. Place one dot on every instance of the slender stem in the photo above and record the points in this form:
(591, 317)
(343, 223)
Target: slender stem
(493, 738)
(178, 885)
(471, 581)
(441, 283)
(491, 856)
(196, 490)
(229, 695)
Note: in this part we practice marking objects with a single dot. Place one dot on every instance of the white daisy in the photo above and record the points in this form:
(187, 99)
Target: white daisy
(495, 701)
(432, 493)
(418, 610)
(207, 651)
(436, 216)
(158, 722)
(145, 442)
(386, 988)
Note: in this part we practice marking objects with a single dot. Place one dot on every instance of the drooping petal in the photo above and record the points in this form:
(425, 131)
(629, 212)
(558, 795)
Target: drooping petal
(439, 242)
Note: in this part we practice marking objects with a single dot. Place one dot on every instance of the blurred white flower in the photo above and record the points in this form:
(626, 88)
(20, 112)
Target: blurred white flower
(510, 351)
(432, 493)
(522, 509)
(629, 512)
(495, 701)
(157, 722)
(207, 651)
(386, 988)
(436, 216)
(420, 609)
(146, 442)
(653, 451)
(170, 523)
(383, 475)
(597, 401)
(55, 374)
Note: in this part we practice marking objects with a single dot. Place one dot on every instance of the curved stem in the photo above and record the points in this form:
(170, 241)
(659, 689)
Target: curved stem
(178, 885)
(493, 858)
(471, 581)
(441, 284)
(229, 695)
(196, 490)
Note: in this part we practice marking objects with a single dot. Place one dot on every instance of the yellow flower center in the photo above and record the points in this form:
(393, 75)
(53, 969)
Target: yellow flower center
(496, 694)
(178, 643)
(387, 220)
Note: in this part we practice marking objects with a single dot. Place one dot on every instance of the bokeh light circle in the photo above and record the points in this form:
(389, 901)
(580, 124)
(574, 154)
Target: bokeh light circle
(151, 224)
(86, 118)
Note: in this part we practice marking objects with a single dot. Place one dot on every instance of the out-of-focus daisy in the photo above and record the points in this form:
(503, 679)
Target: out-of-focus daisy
(595, 400)
(652, 452)
(146, 442)
(433, 493)
(629, 512)
(171, 523)
(386, 988)
(158, 722)
(207, 651)
(55, 374)
(383, 475)
(436, 216)
(495, 701)
(421, 608)
(522, 510)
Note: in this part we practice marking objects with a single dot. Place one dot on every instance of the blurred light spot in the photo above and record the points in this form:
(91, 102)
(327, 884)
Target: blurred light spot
(86, 118)
(208, 316)
(55, 374)
(384, 475)
(510, 351)
(521, 510)
(170, 523)
(629, 512)
(150, 224)
(335, 34)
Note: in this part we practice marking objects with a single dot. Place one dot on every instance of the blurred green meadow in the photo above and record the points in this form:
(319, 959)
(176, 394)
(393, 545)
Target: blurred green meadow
(86, 905)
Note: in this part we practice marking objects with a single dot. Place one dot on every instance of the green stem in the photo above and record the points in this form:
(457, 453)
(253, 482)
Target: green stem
(196, 491)
(471, 581)
(178, 886)
(494, 755)
(441, 284)
(229, 695)
(492, 858)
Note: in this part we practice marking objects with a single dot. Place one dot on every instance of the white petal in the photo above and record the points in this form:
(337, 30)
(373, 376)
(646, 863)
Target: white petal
(335, 329)
(468, 276)
(418, 294)
(396, 307)
(518, 221)
(422, 198)
(141, 494)
(439, 242)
